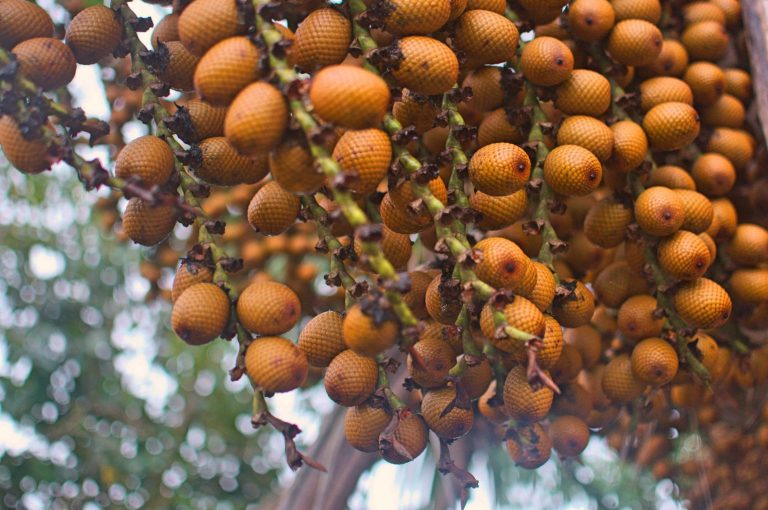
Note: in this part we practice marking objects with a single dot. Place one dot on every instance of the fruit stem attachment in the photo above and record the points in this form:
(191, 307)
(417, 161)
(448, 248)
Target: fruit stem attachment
(383, 385)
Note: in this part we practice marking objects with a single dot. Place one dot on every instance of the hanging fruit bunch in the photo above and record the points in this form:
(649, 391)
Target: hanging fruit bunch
(546, 216)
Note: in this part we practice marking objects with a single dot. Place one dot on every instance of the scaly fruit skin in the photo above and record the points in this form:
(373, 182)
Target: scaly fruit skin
(486, 38)
(659, 211)
(416, 297)
(415, 110)
(451, 425)
(200, 314)
(750, 285)
(672, 61)
(619, 383)
(671, 126)
(188, 274)
(207, 22)
(664, 89)
(705, 40)
(272, 209)
(428, 66)
(606, 222)
(365, 336)
(167, 29)
(529, 446)
(48, 62)
(93, 34)
(683, 255)
(544, 292)
(749, 245)
(672, 177)
(363, 424)
(206, 121)
(703, 303)
(146, 224)
(499, 212)
(698, 211)
(256, 119)
(520, 314)
(275, 364)
(575, 309)
(436, 357)
(349, 96)
(226, 69)
(587, 132)
(654, 361)
(223, 166)
(476, 379)
(503, 265)
(571, 170)
(412, 434)
(179, 71)
(268, 308)
(635, 42)
(585, 92)
(487, 90)
(648, 10)
(591, 20)
(321, 338)
(569, 434)
(546, 61)
(28, 156)
(636, 319)
(630, 146)
(727, 111)
(707, 81)
(499, 169)
(21, 20)
(148, 158)
(521, 401)
(322, 39)
(552, 348)
(292, 166)
(406, 17)
(351, 378)
(367, 153)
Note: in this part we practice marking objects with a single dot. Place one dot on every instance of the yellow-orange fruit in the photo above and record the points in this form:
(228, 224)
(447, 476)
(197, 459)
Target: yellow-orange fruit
(521, 401)
(637, 320)
(442, 310)
(499, 212)
(485, 37)
(349, 96)
(405, 17)
(724, 219)
(749, 245)
(428, 66)
(205, 120)
(226, 69)
(207, 22)
(224, 166)
(436, 359)
(366, 153)
(569, 435)
(711, 246)
(703, 11)
(48, 62)
(189, 273)
(416, 297)
(497, 6)
(612, 284)
(268, 308)
(544, 292)
(363, 424)
(606, 222)
(487, 90)
(200, 314)
(585, 92)
(401, 220)
(496, 127)
(415, 110)
(572, 170)
(147, 158)
(591, 20)
(490, 407)
(322, 39)
(587, 132)
(619, 383)
(659, 211)
(568, 366)
(732, 10)
(272, 209)
(735, 144)
(520, 314)
(707, 81)
(654, 361)
(276, 364)
(503, 263)
(28, 156)
(728, 111)
(671, 126)
(648, 10)
(403, 194)
(552, 347)
(582, 255)
(477, 378)
(714, 174)
(366, 335)
(683, 255)
(573, 400)
(738, 83)
(499, 168)
(698, 210)
(167, 29)
(256, 119)
(702, 303)
(546, 61)
(750, 285)
(321, 338)
(543, 11)
(635, 42)
(395, 246)
(576, 308)
(293, 167)
(179, 70)
(350, 378)
(146, 224)
(93, 34)
(664, 89)
(21, 20)
(451, 425)
(672, 61)
(705, 40)
(671, 176)
(529, 446)
(412, 435)
(588, 342)
(630, 146)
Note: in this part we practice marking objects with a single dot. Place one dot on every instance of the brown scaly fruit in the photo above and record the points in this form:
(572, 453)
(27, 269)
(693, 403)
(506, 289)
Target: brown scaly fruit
(749, 245)
(451, 424)
(485, 37)
(21, 20)
(529, 445)
(576, 308)
(569, 434)
(147, 224)
(366, 336)
(203, 23)
(189, 273)
(521, 401)
(436, 359)
(226, 69)
(351, 378)
(606, 222)
(520, 314)
(147, 158)
(411, 434)
(571, 170)
(322, 39)
(619, 383)
(585, 92)
(659, 211)
(363, 424)
(635, 42)
(222, 165)
(503, 263)
(93, 34)
(268, 308)
(671, 126)
(273, 210)
(683, 255)
(654, 361)
(366, 153)
(499, 169)
(703, 303)
(321, 338)
(28, 156)
(587, 132)
(416, 297)
(256, 119)
(427, 67)
(179, 70)
(349, 96)
(275, 364)
(406, 17)
(200, 314)
(167, 29)
(637, 319)
(546, 61)
(48, 62)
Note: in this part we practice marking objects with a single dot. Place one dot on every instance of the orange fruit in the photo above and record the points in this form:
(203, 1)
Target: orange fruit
(749, 245)
(350, 378)
(416, 297)
(591, 20)
(546, 61)
(654, 361)
(207, 22)
(167, 29)
(619, 383)
(179, 70)
(146, 224)
(407, 17)
(485, 37)
(293, 167)
(403, 193)
(671, 126)
(321, 338)
(440, 309)
(612, 284)
(575, 309)
(499, 168)
(48, 62)
(587, 132)
(224, 166)
(147, 158)
(363, 424)
(499, 212)
(366, 153)
(738, 83)
(630, 146)
(702, 303)
(750, 285)
(698, 211)
(226, 69)
(451, 425)
(200, 314)
(683, 255)
(724, 221)
(569, 434)
(496, 127)
(437, 358)
(529, 446)
(659, 211)
(735, 144)
(544, 292)
(268, 308)
(648, 10)
(21, 20)
(670, 176)
(349, 96)
(187, 274)
(28, 156)
(395, 246)
(707, 81)
(568, 365)
(634, 42)
(415, 110)
(588, 342)
(322, 39)
(205, 120)
(664, 89)
(521, 401)
(93, 34)
(520, 314)
(584, 92)
(636, 319)
(714, 174)
(728, 111)
(272, 209)
(705, 40)
(606, 222)
(256, 119)
(543, 11)
(703, 11)
(276, 364)
(487, 90)
(400, 220)
(503, 263)
(497, 6)
(427, 66)
(367, 335)
(572, 170)
(412, 434)
(672, 61)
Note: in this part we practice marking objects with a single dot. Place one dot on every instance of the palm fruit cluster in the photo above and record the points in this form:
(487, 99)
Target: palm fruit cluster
(546, 217)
